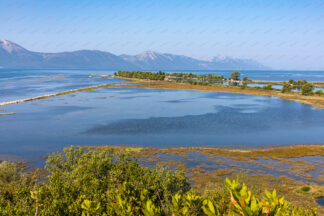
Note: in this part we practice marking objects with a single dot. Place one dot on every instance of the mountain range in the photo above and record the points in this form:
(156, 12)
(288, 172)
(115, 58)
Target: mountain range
(13, 55)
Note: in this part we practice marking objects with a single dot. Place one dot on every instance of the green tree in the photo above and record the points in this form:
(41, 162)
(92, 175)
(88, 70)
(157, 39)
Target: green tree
(291, 82)
(235, 75)
(245, 79)
(307, 89)
(286, 87)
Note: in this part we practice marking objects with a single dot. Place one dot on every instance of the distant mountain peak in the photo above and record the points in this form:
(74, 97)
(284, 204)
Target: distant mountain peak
(148, 55)
(10, 47)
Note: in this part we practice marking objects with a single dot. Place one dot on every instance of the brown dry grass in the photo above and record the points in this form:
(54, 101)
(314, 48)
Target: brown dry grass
(275, 153)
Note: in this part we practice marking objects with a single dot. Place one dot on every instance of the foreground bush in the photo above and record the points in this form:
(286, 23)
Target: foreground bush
(107, 183)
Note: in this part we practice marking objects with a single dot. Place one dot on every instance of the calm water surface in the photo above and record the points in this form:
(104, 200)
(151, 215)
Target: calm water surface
(23, 83)
(147, 117)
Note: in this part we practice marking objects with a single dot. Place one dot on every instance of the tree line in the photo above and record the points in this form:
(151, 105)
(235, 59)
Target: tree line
(142, 75)
(303, 86)
(171, 76)
(177, 76)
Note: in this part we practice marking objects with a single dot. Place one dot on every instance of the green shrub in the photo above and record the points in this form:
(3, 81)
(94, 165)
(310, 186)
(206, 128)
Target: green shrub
(235, 75)
(286, 87)
(267, 87)
(15, 187)
(243, 86)
(105, 178)
(319, 92)
(305, 188)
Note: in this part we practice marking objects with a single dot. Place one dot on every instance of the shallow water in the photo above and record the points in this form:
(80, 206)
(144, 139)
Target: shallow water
(320, 201)
(144, 117)
(158, 118)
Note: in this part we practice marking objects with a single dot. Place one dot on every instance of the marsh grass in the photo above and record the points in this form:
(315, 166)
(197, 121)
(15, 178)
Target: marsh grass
(280, 155)
(286, 160)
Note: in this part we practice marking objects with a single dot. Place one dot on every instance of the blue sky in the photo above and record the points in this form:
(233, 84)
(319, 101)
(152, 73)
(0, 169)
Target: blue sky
(280, 34)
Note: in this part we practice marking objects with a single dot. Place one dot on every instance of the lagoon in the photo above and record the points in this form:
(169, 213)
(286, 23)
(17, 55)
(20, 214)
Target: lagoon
(142, 117)
(156, 118)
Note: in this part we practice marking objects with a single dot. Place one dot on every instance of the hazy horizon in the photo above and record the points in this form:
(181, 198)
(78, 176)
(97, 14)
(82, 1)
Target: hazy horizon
(286, 35)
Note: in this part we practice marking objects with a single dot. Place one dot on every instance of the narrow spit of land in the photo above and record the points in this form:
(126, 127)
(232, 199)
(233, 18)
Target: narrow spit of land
(60, 93)
(316, 101)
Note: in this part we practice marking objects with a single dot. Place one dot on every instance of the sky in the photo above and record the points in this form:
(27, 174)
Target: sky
(286, 35)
